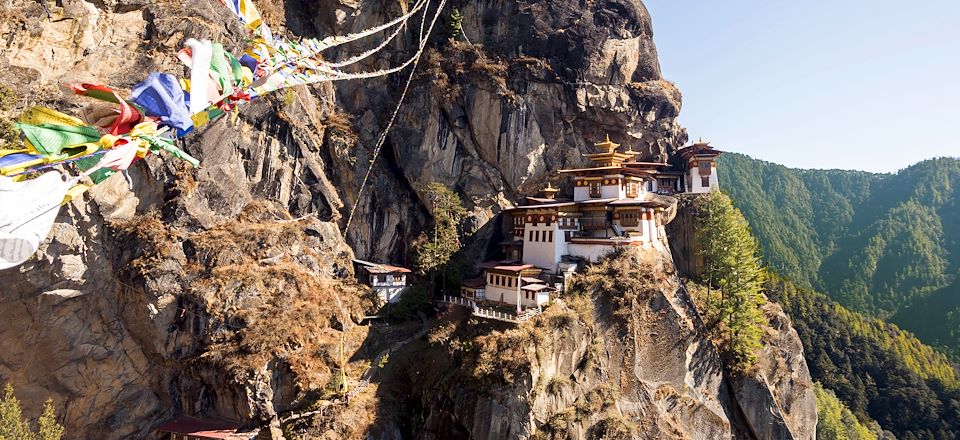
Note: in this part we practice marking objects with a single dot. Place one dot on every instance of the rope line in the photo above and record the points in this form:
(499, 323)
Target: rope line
(326, 74)
(316, 48)
(383, 135)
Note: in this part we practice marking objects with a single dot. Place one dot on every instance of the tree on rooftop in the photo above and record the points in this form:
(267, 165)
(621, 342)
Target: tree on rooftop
(447, 210)
(732, 265)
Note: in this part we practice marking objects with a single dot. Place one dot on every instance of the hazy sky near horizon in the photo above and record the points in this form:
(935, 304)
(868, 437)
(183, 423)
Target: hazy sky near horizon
(855, 84)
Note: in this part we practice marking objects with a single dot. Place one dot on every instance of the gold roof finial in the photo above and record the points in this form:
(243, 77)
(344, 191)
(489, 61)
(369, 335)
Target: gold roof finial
(607, 144)
(549, 192)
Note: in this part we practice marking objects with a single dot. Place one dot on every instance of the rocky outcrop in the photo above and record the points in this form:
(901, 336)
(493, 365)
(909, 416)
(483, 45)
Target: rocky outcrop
(621, 359)
(224, 290)
(777, 397)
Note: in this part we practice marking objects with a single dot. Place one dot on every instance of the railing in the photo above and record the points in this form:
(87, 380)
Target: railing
(459, 301)
(495, 314)
(529, 313)
(492, 313)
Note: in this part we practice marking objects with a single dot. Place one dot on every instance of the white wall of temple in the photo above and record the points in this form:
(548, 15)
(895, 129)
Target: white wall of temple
(390, 294)
(500, 287)
(543, 245)
(508, 296)
(581, 193)
(614, 191)
(649, 230)
(695, 182)
(537, 299)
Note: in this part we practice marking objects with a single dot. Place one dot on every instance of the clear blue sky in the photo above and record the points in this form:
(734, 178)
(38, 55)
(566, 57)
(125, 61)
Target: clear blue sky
(856, 84)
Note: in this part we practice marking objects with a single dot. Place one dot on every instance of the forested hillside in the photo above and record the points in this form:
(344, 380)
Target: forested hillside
(884, 244)
(879, 371)
(798, 216)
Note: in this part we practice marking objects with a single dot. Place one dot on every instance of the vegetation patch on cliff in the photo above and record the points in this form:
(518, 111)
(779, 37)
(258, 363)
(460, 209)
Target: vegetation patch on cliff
(258, 291)
(458, 63)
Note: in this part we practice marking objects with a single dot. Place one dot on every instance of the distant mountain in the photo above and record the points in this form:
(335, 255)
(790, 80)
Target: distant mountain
(883, 244)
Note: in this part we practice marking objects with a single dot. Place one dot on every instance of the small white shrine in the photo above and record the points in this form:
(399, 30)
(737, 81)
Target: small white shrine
(388, 281)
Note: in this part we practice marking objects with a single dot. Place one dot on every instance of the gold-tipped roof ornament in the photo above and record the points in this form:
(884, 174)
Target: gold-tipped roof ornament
(550, 192)
(607, 144)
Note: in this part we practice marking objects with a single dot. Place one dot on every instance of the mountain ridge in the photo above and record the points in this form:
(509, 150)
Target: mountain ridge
(884, 244)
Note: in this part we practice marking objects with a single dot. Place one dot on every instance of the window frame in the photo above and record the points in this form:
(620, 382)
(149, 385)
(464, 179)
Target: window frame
(595, 188)
(633, 189)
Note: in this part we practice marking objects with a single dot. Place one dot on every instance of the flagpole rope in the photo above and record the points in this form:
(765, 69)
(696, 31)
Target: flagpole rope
(383, 135)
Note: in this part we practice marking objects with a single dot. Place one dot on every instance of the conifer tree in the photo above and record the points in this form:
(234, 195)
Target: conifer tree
(49, 429)
(14, 427)
(447, 210)
(732, 265)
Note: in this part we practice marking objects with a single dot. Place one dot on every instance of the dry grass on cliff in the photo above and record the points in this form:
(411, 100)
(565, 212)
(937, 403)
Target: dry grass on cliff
(505, 356)
(261, 289)
(260, 274)
(622, 279)
(156, 240)
(458, 63)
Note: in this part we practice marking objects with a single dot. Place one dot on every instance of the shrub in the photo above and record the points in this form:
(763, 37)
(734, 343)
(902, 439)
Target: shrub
(556, 384)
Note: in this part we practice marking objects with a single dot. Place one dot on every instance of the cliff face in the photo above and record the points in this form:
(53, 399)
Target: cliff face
(226, 291)
(617, 358)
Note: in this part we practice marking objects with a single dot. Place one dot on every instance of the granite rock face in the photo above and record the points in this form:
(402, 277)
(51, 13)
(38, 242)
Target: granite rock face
(781, 385)
(599, 366)
(127, 314)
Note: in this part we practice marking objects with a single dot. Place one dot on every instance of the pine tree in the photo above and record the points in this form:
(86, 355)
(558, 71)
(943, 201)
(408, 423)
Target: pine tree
(14, 427)
(447, 210)
(455, 28)
(732, 265)
(49, 429)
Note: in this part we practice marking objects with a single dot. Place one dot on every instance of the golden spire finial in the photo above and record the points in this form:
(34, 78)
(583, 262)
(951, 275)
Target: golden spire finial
(607, 144)
(549, 192)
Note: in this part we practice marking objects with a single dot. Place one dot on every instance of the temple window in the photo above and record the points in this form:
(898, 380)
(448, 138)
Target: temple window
(704, 181)
(629, 218)
(595, 189)
(633, 189)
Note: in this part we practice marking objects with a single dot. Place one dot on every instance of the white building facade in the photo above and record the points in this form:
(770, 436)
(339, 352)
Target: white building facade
(612, 206)
(700, 161)
(388, 281)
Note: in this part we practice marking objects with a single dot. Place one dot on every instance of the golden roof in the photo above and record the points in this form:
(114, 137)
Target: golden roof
(609, 156)
(607, 145)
